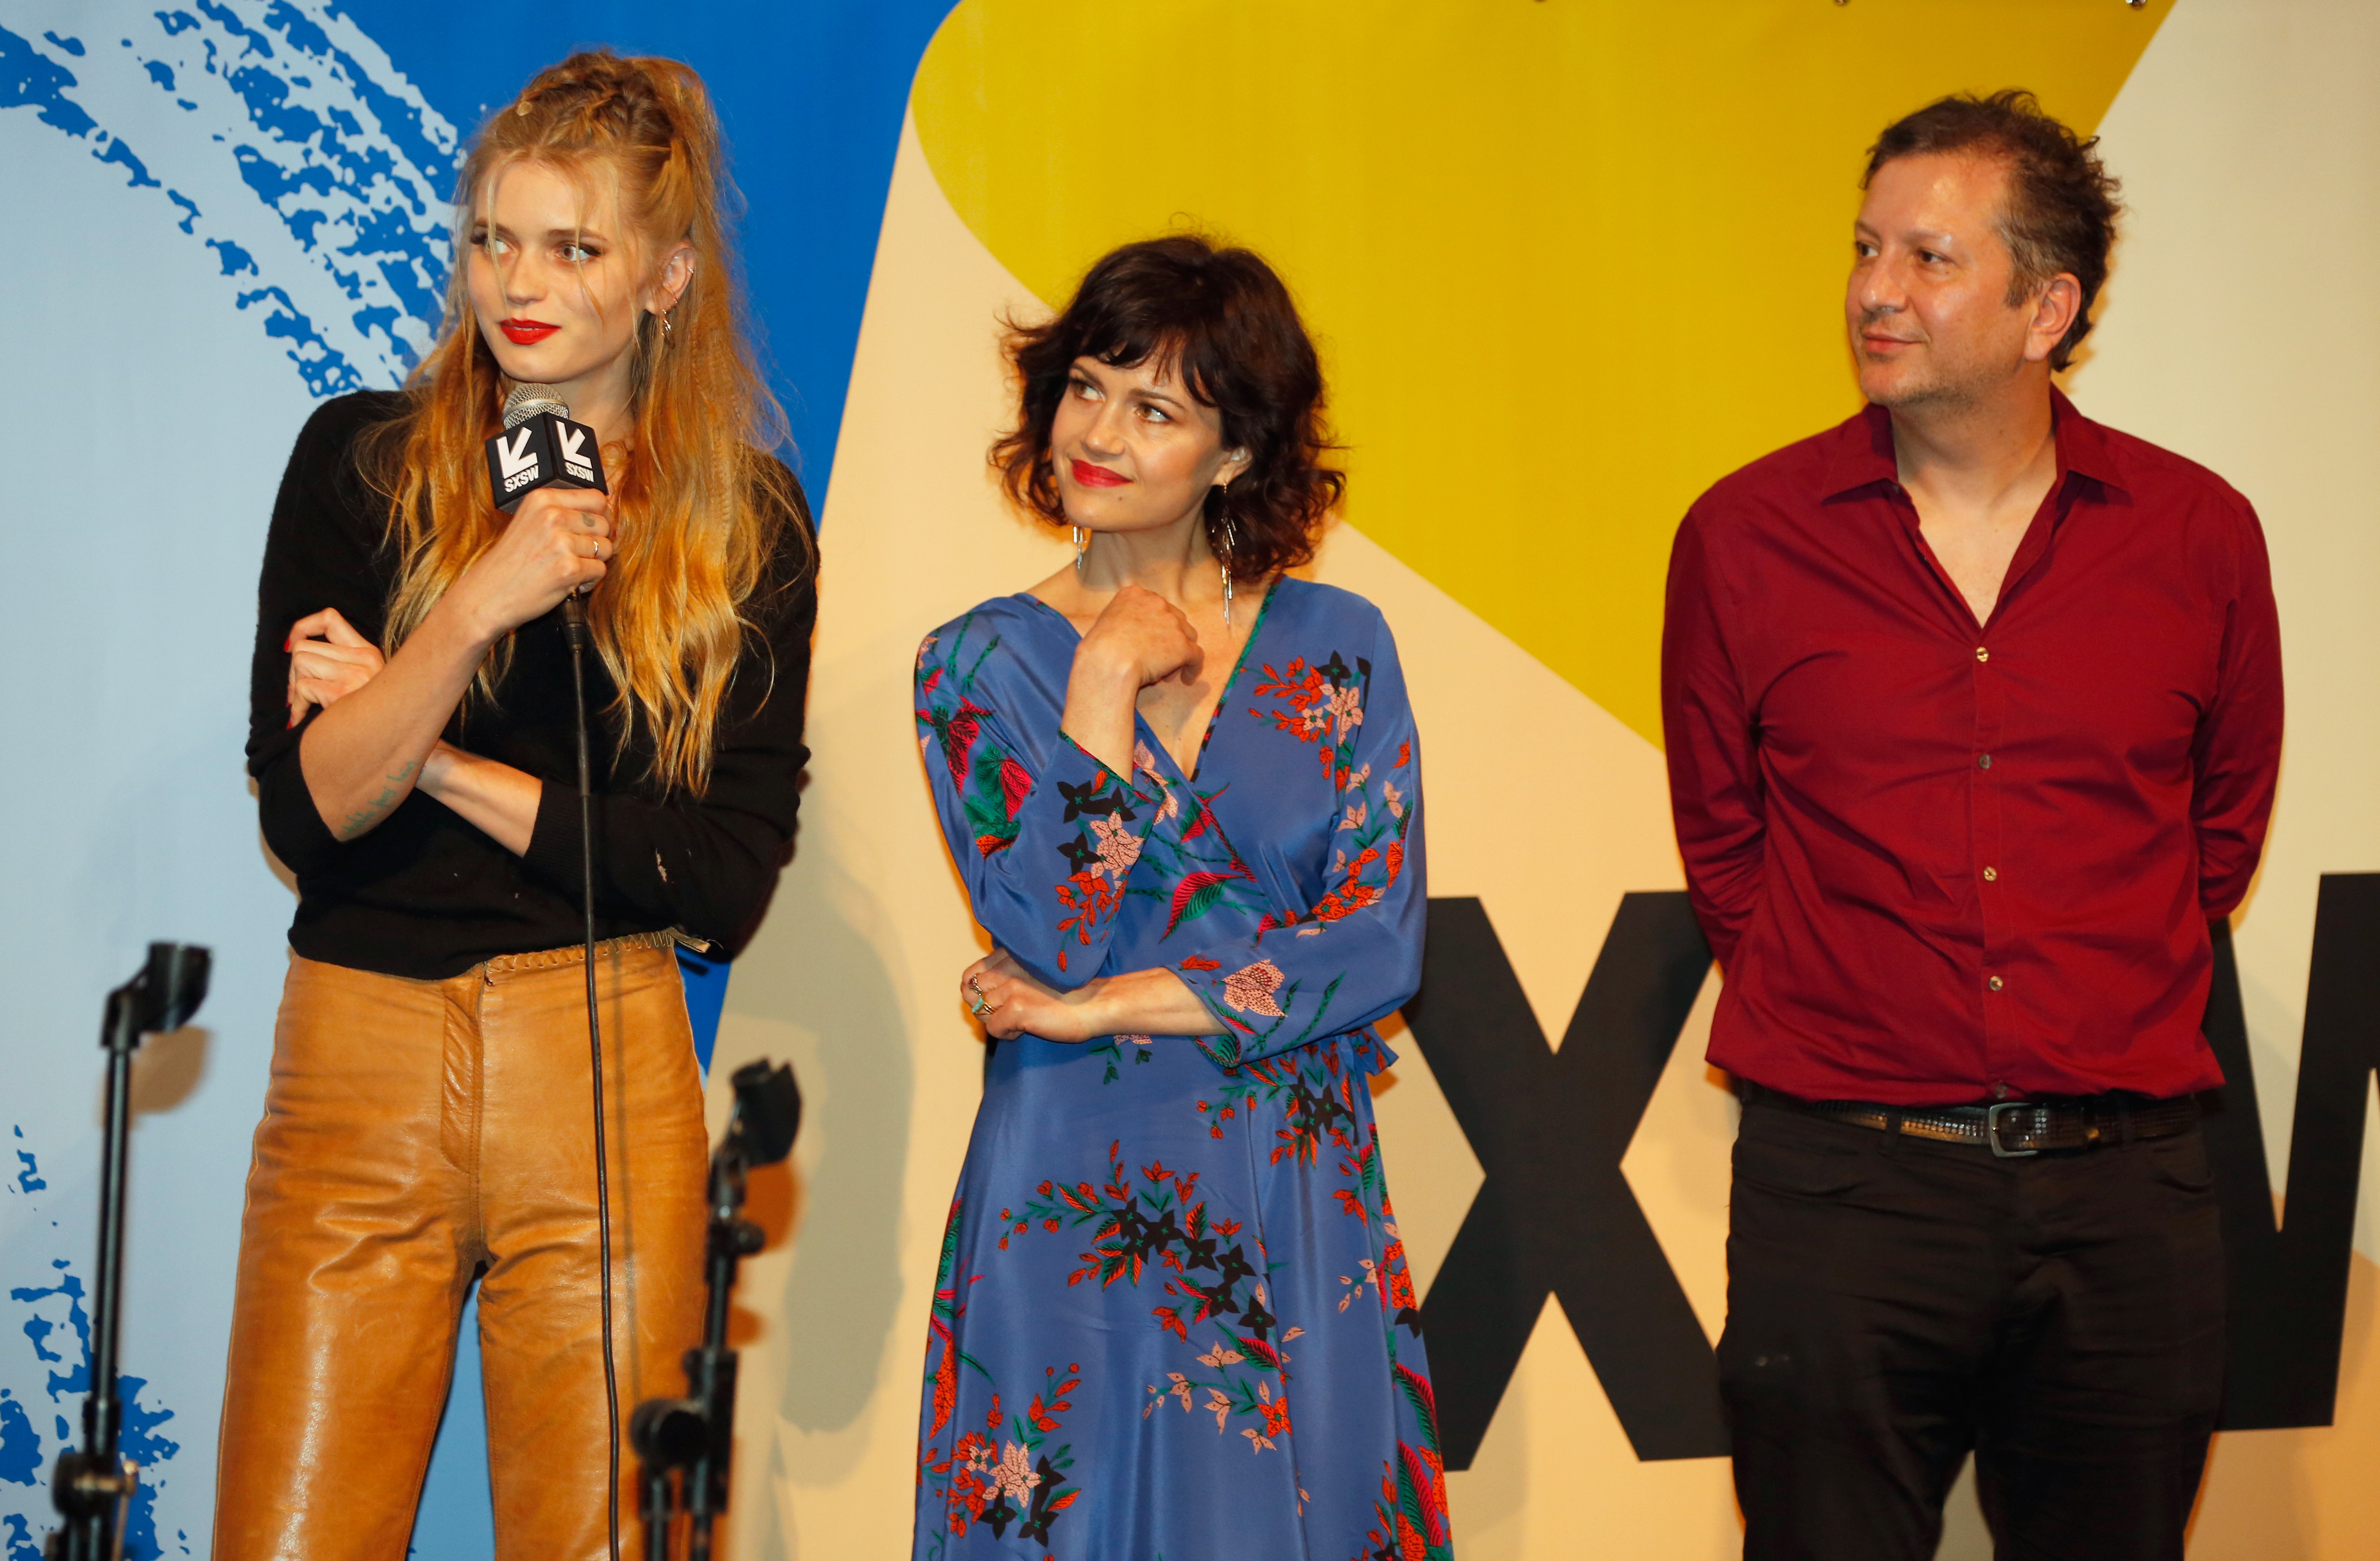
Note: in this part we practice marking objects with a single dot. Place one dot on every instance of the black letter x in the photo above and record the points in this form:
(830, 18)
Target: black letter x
(1555, 1213)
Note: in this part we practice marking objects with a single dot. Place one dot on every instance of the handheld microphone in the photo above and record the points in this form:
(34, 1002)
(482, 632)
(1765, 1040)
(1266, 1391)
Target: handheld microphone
(540, 447)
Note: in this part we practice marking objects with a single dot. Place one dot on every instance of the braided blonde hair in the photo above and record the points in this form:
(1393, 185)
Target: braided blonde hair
(700, 503)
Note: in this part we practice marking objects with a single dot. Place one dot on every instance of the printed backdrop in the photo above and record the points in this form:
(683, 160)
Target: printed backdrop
(1569, 260)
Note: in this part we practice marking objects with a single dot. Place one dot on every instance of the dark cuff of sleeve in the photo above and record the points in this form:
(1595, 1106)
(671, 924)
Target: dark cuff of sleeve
(555, 851)
(293, 826)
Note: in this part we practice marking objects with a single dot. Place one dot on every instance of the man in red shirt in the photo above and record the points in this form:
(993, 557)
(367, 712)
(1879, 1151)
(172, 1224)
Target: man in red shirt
(1974, 709)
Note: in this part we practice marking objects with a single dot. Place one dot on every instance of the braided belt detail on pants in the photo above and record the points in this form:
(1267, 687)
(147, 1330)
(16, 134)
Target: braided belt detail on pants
(575, 954)
(2010, 1129)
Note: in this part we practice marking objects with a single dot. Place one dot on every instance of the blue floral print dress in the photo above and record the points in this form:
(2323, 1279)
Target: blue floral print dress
(1173, 1318)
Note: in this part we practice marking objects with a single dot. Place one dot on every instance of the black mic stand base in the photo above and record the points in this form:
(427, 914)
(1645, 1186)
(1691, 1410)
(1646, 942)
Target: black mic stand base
(687, 1445)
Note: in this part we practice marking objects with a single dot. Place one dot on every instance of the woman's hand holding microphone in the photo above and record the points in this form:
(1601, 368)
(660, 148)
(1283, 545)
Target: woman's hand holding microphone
(559, 541)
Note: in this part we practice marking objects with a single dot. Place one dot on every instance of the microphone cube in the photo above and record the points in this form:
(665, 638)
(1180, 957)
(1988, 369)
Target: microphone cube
(545, 452)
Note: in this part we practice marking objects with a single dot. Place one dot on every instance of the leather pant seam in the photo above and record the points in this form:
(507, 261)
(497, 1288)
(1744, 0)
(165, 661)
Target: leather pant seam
(478, 1040)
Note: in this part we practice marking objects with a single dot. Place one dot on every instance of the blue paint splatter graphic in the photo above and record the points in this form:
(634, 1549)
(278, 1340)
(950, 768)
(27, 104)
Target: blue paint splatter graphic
(235, 261)
(21, 1445)
(57, 1325)
(28, 80)
(119, 152)
(141, 1442)
(77, 1378)
(345, 165)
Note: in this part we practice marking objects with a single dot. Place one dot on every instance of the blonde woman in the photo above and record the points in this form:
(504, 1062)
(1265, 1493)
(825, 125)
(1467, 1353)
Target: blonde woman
(430, 1113)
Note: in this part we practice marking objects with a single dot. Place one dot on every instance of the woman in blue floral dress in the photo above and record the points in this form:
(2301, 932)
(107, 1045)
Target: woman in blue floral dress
(1172, 1317)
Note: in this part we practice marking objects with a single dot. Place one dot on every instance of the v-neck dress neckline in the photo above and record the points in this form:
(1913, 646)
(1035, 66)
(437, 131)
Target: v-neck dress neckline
(1222, 696)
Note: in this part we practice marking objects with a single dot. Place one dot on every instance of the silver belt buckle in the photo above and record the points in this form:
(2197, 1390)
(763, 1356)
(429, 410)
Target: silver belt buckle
(1992, 1130)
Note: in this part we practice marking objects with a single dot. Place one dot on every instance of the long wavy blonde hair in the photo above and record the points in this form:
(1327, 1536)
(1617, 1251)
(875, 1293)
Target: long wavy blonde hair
(700, 503)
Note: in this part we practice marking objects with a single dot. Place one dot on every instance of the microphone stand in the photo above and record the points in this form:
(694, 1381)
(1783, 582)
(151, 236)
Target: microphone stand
(687, 1445)
(94, 1488)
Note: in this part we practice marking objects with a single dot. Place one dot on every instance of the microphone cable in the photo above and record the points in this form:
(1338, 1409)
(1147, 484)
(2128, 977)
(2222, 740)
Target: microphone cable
(525, 403)
(573, 624)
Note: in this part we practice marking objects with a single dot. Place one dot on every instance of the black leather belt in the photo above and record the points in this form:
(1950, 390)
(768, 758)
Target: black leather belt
(2010, 1129)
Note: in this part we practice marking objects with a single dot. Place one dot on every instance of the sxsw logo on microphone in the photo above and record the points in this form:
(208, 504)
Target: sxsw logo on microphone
(543, 451)
(571, 440)
(516, 459)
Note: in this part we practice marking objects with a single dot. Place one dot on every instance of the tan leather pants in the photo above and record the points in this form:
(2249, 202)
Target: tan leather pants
(413, 1132)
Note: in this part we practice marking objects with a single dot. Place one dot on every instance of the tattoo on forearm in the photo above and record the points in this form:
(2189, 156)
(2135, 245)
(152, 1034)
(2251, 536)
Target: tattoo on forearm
(363, 818)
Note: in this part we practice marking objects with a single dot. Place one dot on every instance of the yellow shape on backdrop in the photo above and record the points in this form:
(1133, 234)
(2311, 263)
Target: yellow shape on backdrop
(1569, 260)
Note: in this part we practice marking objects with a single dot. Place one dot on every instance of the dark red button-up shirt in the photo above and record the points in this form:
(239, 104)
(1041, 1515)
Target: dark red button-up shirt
(1944, 863)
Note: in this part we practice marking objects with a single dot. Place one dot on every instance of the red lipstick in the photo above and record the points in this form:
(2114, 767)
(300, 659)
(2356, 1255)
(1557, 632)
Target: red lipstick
(526, 332)
(1091, 476)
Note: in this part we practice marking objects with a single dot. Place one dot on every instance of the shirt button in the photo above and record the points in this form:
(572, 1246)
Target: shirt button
(1982, 761)
(1991, 875)
(1995, 983)
(1982, 653)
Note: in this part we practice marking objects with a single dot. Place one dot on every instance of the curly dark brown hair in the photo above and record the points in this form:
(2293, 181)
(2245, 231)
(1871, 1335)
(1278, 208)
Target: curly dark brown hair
(2061, 210)
(1223, 321)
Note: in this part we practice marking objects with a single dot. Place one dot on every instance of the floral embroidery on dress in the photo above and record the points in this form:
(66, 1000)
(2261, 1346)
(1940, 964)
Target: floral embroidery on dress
(1160, 1224)
(1249, 988)
(1316, 1095)
(982, 1479)
(1325, 708)
(992, 784)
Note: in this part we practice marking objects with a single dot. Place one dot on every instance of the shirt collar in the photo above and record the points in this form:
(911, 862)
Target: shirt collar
(1859, 451)
(2084, 447)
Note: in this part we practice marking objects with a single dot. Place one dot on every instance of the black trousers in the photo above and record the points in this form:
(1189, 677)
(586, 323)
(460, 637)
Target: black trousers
(1894, 1303)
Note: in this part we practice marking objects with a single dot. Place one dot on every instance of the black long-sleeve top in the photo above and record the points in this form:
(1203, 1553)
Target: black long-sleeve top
(426, 895)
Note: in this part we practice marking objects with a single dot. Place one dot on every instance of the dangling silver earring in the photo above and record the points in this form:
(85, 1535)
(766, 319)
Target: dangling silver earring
(665, 325)
(1230, 541)
(1081, 541)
